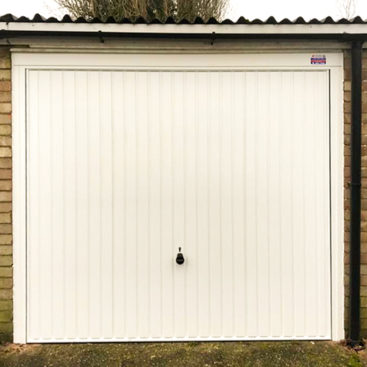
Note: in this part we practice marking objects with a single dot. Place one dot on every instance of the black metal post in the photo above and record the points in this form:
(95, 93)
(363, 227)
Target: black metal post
(355, 195)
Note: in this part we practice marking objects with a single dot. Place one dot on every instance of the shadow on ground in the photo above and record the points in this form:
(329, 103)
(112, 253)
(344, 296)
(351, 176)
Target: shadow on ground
(254, 354)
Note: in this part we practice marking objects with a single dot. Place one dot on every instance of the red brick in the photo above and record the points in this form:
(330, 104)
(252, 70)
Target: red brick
(5, 196)
(5, 162)
(5, 86)
(5, 130)
(5, 174)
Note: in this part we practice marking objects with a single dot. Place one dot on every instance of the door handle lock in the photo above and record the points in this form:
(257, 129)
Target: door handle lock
(180, 258)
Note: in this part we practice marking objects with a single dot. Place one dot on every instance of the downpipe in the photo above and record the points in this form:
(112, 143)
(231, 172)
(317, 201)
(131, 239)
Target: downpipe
(355, 197)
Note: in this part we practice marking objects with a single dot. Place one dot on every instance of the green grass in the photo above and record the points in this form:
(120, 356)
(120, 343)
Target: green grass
(246, 354)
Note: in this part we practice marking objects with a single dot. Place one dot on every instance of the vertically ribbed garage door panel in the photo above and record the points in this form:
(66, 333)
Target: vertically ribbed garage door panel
(124, 167)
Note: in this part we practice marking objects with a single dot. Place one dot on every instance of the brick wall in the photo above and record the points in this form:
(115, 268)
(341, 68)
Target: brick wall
(6, 271)
(347, 129)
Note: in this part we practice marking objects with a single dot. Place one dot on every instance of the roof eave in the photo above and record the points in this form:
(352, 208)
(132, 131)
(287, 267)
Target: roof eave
(188, 29)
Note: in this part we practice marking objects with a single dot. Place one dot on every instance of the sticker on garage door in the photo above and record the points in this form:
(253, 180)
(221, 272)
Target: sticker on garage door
(318, 60)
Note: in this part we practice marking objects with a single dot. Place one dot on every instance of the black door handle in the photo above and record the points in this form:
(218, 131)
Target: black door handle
(180, 258)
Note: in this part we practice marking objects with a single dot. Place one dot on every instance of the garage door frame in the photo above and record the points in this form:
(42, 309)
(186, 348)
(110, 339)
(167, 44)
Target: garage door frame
(22, 62)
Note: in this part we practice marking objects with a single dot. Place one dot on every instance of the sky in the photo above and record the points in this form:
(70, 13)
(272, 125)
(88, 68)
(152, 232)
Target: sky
(250, 9)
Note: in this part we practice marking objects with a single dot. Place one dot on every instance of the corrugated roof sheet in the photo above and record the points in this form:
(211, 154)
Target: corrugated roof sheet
(9, 18)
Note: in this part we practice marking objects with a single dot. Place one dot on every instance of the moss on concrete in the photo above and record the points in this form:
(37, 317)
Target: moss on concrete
(6, 332)
(256, 354)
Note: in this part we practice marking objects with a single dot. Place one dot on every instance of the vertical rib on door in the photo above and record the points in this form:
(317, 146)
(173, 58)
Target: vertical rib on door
(125, 167)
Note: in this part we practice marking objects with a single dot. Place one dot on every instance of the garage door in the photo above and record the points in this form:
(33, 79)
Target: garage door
(126, 167)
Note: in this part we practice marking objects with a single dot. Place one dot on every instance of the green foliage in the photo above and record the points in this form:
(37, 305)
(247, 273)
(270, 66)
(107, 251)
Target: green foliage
(354, 361)
(149, 9)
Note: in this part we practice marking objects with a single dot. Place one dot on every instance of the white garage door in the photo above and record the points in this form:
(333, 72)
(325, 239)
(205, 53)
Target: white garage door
(125, 167)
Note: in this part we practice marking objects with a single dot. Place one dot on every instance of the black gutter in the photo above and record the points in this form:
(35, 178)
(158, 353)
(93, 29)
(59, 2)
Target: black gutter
(355, 196)
(343, 37)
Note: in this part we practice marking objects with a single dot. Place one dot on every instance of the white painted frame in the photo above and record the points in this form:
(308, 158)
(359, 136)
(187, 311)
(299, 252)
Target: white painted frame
(23, 62)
